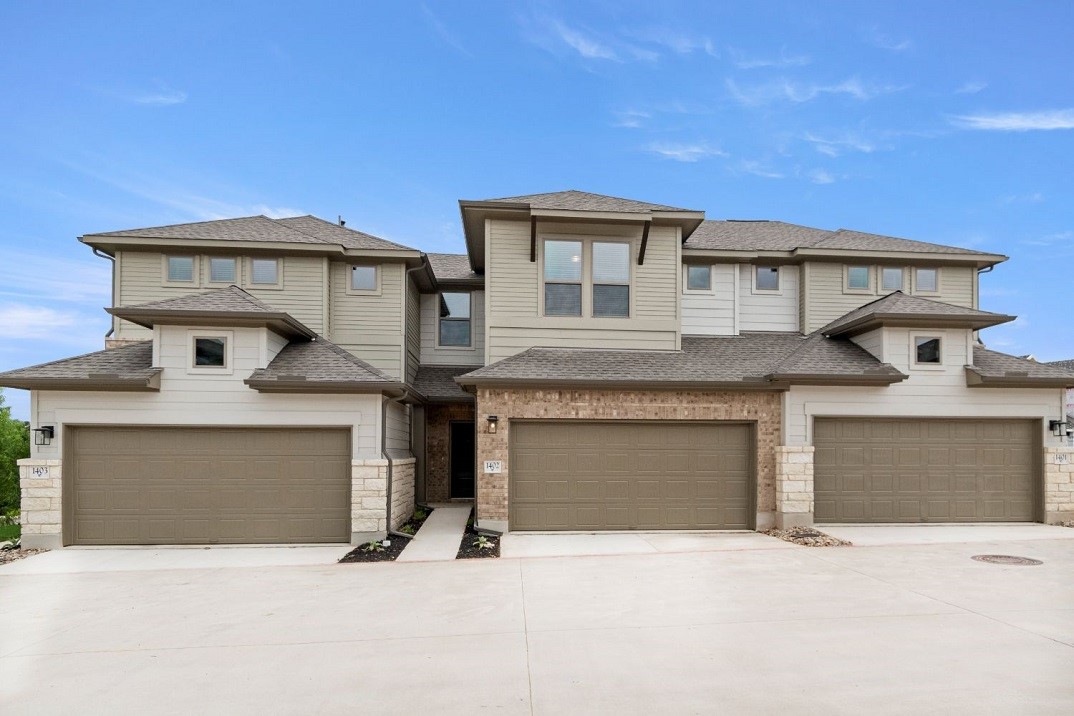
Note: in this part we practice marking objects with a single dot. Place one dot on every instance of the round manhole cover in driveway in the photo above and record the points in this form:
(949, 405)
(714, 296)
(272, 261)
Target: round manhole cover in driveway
(1007, 559)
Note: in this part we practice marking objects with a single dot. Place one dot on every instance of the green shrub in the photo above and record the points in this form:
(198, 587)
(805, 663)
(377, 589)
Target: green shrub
(14, 445)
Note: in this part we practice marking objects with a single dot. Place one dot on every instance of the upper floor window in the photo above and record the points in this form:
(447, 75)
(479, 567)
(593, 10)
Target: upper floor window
(766, 278)
(455, 319)
(927, 280)
(562, 278)
(222, 270)
(698, 278)
(210, 352)
(611, 279)
(265, 271)
(927, 350)
(891, 279)
(364, 278)
(181, 269)
(858, 278)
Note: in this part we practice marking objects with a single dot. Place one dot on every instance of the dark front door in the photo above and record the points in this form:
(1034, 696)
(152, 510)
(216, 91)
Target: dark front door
(463, 457)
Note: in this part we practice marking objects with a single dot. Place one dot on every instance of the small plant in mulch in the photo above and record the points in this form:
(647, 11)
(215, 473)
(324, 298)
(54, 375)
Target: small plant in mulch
(476, 545)
(377, 551)
(807, 537)
(12, 550)
(416, 520)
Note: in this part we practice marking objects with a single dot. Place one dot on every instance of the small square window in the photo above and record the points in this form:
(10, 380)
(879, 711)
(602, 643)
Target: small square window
(364, 278)
(767, 278)
(210, 352)
(264, 271)
(892, 279)
(221, 270)
(927, 350)
(858, 277)
(927, 280)
(181, 269)
(699, 278)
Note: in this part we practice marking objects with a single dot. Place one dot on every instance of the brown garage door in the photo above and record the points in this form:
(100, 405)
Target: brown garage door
(925, 470)
(580, 475)
(137, 485)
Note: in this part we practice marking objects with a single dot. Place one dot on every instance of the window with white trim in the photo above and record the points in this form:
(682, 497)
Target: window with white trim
(928, 350)
(562, 278)
(364, 278)
(265, 271)
(766, 278)
(181, 269)
(698, 278)
(222, 270)
(858, 278)
(891, 278)
(927, 280)
(611, 279)
(455, 319)
(210, 352)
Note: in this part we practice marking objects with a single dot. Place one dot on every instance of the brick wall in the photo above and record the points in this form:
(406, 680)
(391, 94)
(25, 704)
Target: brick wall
(763, 408)
(438, 449)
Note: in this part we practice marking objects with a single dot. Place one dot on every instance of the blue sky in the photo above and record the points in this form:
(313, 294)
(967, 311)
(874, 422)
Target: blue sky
(945, 122)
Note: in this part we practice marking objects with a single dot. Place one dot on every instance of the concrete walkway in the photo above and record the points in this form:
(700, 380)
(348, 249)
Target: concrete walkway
(438, 539)
(577, 544)
(73, 560)
(878, 535)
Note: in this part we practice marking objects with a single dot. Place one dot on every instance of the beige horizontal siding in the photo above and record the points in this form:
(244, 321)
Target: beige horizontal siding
(514, 282)
(768, 311)
(370, 325)
(431, 354)
(711, 313)
(827, 300)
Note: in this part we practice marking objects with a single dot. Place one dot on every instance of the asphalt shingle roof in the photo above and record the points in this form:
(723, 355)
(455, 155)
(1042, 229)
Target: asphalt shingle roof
(453, 267)
(780, 236)
(133, 362)
(318, 360)
(994, 364)
(221, 300)
(574, 200)
(294, 230)
(1067, 365)
(749, 358)
(437, 382)
(901, 304)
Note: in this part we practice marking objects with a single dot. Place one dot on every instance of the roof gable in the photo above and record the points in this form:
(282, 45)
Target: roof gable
(899, 309)
(574, 200)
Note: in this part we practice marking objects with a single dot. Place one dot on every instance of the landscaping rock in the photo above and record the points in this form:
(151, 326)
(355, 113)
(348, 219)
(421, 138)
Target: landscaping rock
(10, 555)
(808, 537)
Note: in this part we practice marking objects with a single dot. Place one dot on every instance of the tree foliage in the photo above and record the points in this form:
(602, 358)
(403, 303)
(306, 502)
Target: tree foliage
(14, 445)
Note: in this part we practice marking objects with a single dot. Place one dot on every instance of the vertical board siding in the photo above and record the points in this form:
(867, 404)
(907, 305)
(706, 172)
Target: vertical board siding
(188, 398)
(764, 311)
(513, 284)
(827, 300)
(370, 325)
(712, 313)
(431, 354)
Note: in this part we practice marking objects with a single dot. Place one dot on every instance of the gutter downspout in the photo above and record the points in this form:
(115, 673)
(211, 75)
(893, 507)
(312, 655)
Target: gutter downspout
(384, 454)
(101, 254)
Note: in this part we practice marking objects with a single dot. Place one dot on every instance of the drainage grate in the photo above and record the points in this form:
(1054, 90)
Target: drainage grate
(1007, 559)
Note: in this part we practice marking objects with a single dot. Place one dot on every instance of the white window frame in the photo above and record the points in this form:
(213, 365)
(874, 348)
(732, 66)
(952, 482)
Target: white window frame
(209, 270)
(195, 274)
(914, 337)
(587, 275)
(542, 281)
(766, 291)
(880, 279)
(686, 279)
(249, 273)
(917, 290)
(375, 291)
(847, 288)
(229, 352)
(589, 283)
(439, 318)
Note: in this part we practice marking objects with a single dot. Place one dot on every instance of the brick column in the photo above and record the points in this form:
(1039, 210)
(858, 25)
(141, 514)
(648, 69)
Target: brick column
(42, 503)
(794, 486)
(1058, 484)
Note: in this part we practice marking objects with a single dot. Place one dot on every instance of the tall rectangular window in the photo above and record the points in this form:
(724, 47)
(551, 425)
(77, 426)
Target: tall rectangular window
(455, 319)
(264, 271)
(181, 268)
(611, 279)
(562, 278)
(221, 270)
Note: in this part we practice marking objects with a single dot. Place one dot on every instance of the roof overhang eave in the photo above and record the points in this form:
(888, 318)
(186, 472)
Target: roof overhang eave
(281, 323)
(102, 383)
(975, 379)
(858, 379)
(923, 321)
(522, 383)
(357, 387)
(917, 257)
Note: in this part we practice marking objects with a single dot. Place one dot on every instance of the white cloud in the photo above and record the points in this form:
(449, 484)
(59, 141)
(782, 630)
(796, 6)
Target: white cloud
(756, 168)
(35, 276)
(834, 146)
(163, 98)
(631, 118)
(555, 36)
(447, 36)
(678, 42)
(583, 44)
(798, 92)
(684, 152)
(25, 322)
(1058, 238)
(819, 176)
(1017, 121)
(884, 41)
(1034, 198)
(971, 87)
(784, 60)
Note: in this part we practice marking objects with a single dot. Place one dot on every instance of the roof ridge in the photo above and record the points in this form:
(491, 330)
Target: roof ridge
(334, 225)
(181, 223)
(124, 347)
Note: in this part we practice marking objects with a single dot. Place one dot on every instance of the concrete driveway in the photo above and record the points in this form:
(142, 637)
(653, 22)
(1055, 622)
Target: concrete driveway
(884, 629)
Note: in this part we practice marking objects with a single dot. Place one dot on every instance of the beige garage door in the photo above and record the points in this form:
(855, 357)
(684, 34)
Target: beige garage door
(926, 470)
(137, 485)
(575, 475)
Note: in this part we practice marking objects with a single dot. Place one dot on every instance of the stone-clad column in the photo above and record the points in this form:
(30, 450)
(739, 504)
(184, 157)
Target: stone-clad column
(1058, 484)
(794, 486)
(42, 503)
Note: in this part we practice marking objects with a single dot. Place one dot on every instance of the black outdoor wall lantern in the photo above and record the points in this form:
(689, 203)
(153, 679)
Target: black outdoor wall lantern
(1058, 428)
(43, 435)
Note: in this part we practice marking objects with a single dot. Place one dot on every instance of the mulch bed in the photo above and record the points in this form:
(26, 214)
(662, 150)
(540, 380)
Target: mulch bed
(414, 524)
(387, 553)
(10, 555)
(808, 537)
(469, 550)
(1068, 523)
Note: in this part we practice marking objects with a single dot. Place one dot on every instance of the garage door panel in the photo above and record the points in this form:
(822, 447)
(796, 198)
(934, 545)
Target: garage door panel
(940, 470)
(648, 475)
(193, 486)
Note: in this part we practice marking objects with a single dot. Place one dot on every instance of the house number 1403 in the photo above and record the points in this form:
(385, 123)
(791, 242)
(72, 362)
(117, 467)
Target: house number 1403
(39, 471)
